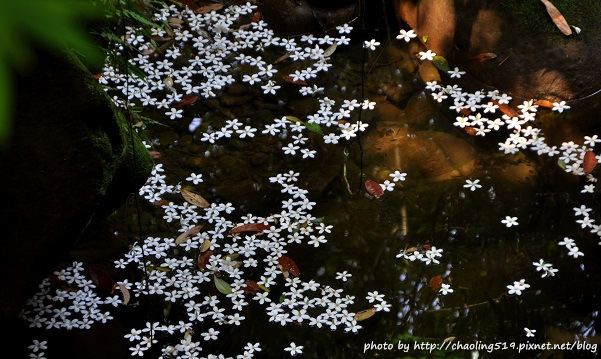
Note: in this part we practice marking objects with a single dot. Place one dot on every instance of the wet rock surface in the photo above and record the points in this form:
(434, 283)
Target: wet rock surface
(70, 161)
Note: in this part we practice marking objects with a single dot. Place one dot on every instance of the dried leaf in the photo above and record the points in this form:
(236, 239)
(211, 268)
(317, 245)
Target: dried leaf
(169, 30)
(289, 79)
(250, 227)
(256, 17)
(330, 50)
(465, 111)
(189, 232)
(435, 283)
(288, 266)
(411, 250)
(544, 103)
(125, 292)
(557, 18)
(187, 100)
(195, 199)
(471, 130)
(205, 246)
(483, 57)
(589, 162)
(283, 57)
(161, 203)
(365, 314)
(208, 8)
(203, 259)
(374, 188)
(222, 286)
(101, 278)
(175, 22)
(506, 109)
(251, 287)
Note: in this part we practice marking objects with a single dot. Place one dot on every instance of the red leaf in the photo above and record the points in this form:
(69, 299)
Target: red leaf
(426, 247)
(101, 278)
(471, 130)
(483, 57)
(97, 76)
(435, 283)
(256, 17)
(187, 100)
(589, 162)
(465, 111)
(288, 266)
(374, 188)
(251, 287)
(289, 79)
(506, 109)
(203, 259)
(250, 227)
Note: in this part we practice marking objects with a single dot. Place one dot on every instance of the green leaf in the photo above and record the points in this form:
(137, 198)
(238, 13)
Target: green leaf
(293, 119)
(323, 220)
(441, 63)
(141, 19)
(222, 286)
(313, 127)
(425, 39)
(561, 164)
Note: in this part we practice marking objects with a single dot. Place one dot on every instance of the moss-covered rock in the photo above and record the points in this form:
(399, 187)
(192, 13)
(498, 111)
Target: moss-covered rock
(71, 160)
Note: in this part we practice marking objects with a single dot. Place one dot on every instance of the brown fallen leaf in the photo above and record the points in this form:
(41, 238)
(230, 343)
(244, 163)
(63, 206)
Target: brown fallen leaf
(589, 162)
(483, 57)
(435, 283)
(203, 259)
(155, 154)
(251, 287)
(195, 199)
(187, 100)
(289, 79)
(283, 57)
(506, 109)
(205, 246)
(256, 17)
(208, 8)
(557, 18)
(470, 130)
(63, 284)
(374, 188)
(161, 203)
(101, 278)
(188, 233)
(288, 266)
(125, 292)
(365, 314)
(544, 103)
(250, 227)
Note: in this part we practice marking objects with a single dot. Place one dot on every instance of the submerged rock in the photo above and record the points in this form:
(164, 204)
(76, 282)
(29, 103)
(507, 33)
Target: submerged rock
(70, 161)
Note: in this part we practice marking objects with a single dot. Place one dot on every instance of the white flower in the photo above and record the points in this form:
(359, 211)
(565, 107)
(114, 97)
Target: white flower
(575, 252)
(530, 332)
(387, 185)
(510, 221)
(518, 287)
(472, 185)
(406, 35)
(398, 176)
(371, 44)
(560, 106)
(428, 55)
(445, 289)
(194, 178)
(343, 275)
(294, 349)
(568, 242)
(456, 73)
